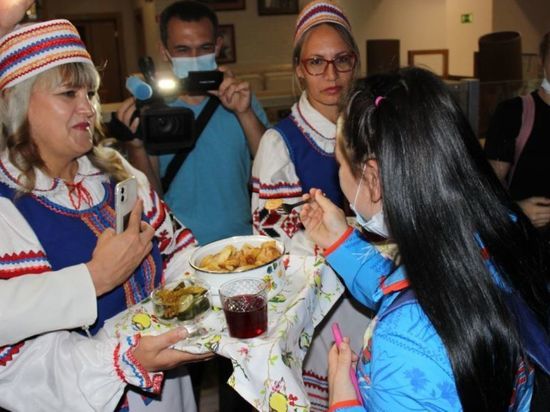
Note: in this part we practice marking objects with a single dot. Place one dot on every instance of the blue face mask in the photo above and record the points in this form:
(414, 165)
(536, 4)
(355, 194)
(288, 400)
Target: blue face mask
(181, 66)
(375, 224)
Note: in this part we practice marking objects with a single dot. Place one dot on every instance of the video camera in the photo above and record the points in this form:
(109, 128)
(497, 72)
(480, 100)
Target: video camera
(165, 129)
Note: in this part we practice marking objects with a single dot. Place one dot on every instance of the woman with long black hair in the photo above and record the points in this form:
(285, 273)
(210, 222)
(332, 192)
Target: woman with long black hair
(414, 171)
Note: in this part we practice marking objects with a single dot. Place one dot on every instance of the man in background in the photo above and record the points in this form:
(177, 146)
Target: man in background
(210, 191)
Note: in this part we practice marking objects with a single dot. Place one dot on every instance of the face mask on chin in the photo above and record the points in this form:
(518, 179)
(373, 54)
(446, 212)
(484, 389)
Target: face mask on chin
(181, 66)
(376, 224)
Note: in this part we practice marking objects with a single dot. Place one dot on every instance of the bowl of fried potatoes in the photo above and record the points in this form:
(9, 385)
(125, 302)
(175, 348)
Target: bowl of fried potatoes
(258, 257)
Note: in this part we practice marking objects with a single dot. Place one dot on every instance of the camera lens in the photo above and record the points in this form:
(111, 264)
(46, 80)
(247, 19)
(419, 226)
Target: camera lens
(165, 124)
(122, 198)
(122, 190)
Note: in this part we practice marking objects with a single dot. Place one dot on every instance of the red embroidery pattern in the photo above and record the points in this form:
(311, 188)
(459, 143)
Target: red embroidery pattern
(292, 224)
(154, 385)
(78, 193)
(312, 380)
(275, 190)
(157, 215)
(116, 357)
(7, 353)
(23, 263)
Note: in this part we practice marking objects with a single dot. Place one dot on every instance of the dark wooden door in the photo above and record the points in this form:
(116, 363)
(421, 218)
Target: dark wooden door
(102, 35)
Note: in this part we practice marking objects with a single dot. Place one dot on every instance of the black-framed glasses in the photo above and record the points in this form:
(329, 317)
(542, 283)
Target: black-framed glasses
(342, 63)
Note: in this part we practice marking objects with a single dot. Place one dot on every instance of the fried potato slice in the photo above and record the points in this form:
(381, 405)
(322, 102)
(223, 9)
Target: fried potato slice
(229, 259)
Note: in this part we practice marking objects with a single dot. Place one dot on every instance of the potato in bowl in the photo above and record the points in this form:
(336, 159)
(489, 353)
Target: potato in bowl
(255, 256)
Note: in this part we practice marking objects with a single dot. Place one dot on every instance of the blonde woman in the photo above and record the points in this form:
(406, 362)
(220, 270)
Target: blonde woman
(56, 216)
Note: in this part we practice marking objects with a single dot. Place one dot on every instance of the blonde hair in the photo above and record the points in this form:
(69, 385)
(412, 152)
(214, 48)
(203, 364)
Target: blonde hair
(15, 136)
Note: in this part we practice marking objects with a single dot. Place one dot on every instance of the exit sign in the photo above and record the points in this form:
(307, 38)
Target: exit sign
(467, 18)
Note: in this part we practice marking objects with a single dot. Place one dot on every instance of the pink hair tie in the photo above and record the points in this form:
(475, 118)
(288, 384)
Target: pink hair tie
(378, 100)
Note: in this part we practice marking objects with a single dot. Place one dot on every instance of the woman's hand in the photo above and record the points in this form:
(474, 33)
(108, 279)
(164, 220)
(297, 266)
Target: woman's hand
(154, 353)
(324, 222)
(115, 257)
(537, 209)
(340, 360)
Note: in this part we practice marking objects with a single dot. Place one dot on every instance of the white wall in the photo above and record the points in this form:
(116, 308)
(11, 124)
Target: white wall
(259, 39)
(462, 38)
(419, 24)
(531, 18)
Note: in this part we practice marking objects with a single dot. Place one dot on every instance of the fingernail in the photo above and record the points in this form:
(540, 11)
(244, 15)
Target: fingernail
(183, 333)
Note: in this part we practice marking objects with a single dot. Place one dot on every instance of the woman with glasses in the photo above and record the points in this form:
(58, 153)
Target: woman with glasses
(298, 154)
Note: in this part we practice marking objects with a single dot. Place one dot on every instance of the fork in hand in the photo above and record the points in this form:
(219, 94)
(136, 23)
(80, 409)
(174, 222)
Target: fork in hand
(286, 208)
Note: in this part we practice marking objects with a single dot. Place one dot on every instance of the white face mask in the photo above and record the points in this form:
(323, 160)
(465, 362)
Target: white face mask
(375, 224)
(181, 66)
(545, 84)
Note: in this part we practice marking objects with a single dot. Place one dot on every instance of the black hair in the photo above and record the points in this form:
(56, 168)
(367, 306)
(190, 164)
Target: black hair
(187, 10)
(442, 202)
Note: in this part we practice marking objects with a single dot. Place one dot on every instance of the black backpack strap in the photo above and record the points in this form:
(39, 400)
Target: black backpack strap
(533, 335)
(178, 159)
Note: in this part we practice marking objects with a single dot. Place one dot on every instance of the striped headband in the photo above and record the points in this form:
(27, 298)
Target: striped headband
(34, 48)
(318, 12)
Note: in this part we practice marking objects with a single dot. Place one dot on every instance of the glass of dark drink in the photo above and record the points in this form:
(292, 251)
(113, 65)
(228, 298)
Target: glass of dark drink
(244, 303)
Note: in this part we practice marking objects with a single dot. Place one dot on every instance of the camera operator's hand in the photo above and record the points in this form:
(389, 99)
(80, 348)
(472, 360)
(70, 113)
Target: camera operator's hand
(125, 114)
(234, 94)
(11, 12)
(135, 147)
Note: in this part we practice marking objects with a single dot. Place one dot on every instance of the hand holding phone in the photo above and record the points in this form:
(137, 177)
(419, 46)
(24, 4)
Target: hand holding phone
(338, 340)
(125, 199)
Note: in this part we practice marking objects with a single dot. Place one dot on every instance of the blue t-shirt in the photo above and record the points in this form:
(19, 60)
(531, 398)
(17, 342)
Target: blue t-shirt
(210, 193)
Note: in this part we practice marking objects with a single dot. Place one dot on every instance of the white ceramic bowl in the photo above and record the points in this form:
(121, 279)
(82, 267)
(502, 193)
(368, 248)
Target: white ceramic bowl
(273, 273)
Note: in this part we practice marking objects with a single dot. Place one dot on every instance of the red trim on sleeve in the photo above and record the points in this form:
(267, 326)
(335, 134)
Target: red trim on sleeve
(116, 355)
(344, 404)
(338, 242)
(395, 287)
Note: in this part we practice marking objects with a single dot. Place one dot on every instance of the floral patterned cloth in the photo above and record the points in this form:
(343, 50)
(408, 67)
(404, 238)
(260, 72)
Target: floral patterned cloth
(267, 369)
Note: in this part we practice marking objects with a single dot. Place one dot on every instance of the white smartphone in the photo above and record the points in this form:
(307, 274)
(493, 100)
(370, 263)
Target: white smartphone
(125, 199)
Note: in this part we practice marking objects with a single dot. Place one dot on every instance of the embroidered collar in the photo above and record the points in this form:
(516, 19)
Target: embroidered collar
(55, 189)
(320, 129)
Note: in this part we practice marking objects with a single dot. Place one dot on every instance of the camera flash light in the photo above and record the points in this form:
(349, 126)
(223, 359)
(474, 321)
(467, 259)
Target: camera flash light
(167, 85)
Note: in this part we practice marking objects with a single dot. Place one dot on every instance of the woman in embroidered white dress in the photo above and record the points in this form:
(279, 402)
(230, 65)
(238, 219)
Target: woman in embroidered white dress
(299, 150)
(298, 153)
(56, 215)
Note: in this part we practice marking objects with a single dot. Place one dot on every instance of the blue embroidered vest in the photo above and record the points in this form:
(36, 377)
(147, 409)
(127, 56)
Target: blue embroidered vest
(314, 167)
(69, 238)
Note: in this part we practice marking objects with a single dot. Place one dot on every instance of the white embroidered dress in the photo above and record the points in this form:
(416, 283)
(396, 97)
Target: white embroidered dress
(274, 177)
(66, 371)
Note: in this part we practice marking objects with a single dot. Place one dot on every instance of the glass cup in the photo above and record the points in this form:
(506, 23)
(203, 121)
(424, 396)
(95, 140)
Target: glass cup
(244, 303)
